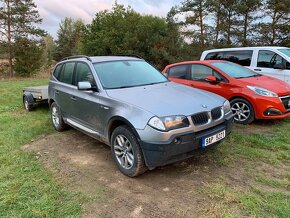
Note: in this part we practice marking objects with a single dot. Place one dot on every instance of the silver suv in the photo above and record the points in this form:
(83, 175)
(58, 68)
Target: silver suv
(126, 103)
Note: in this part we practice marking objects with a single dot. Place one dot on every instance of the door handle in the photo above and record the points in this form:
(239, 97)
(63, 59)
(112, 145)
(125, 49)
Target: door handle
(104, 107)
(73, 98)
(257, 70)
(57, 92)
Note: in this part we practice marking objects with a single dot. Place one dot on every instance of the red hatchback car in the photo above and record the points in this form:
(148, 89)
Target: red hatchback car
(252, 96)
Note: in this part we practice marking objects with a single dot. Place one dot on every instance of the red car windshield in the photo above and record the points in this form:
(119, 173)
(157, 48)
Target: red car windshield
(234, 70)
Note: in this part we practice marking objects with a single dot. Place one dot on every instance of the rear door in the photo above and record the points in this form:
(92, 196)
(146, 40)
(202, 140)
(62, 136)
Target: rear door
(64, 88)
(179, 74)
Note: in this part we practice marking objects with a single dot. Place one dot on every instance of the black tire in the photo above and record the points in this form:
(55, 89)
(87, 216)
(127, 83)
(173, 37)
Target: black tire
(243, 111)
(56, 118)
(28, 105)
(122, 153)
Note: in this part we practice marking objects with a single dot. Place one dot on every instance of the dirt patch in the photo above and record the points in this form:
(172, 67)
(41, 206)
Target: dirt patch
(85, 165)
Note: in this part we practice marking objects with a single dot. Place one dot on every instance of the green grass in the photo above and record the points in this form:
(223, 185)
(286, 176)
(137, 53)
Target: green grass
(26, 188)
(264, 157)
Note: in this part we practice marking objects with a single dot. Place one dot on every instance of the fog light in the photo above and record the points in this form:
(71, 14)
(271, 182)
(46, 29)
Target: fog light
(272, 112)
(177, 140)
(39, 97)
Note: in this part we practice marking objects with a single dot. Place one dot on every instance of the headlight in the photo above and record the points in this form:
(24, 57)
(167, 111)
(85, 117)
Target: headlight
(263, 92)
(168, 123)
(227, 107)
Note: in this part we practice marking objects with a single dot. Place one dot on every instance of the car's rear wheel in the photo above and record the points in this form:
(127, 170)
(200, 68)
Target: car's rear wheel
(126, 152)
(56, 118)
(243, 111)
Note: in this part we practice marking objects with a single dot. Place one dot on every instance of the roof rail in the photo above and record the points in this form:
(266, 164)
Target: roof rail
(77, 56)
(129, 55)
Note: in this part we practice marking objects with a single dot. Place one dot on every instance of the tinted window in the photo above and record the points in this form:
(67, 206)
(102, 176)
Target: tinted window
(67, 73)
(240, 57)
(200, 72)
(214, 56)
(268, 59)
(125, 74)
(83, 74)
(235, 70)
(179, 71)
(57, 71)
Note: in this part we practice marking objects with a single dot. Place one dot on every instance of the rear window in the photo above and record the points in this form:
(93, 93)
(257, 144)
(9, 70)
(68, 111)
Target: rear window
(179, 71)
(66, 75)
(242, 57)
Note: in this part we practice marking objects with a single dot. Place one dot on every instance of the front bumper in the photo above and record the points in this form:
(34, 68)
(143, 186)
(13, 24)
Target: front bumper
(181, 146)
(270, 108)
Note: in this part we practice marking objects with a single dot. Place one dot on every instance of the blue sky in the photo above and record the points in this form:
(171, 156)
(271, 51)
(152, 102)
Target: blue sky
(53, 11)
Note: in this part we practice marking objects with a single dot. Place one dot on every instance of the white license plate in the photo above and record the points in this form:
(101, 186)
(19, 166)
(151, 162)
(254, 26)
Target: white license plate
(214, 138)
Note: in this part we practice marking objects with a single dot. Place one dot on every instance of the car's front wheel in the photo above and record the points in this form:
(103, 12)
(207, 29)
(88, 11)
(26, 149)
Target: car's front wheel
(242, 110)
(126, 152)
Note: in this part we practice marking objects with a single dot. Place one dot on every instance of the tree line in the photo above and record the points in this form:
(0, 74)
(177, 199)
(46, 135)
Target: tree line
(188, 29)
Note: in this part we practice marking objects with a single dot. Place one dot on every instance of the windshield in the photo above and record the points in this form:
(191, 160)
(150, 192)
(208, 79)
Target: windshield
(125, 74)
(285, 51)
(235, 70)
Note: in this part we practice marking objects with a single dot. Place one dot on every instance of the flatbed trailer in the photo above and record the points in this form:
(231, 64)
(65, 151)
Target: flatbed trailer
(34, 95)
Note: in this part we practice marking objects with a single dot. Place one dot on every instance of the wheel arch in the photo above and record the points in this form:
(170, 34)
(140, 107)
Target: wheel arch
(29, 97)
(116, 121)
(247, 99)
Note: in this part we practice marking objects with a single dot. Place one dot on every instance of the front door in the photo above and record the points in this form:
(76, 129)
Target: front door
(267, 63)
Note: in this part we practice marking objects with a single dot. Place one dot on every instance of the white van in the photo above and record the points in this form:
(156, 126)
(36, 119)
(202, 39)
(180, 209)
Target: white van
(269, 60)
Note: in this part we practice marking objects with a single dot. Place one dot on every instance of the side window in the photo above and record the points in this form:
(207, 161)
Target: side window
(83, 74)
(242, 57)
(66, 75)
(179, 71)
(214, 56)
(200, 72)
(57, 71)
(268, 59)
(287, 65)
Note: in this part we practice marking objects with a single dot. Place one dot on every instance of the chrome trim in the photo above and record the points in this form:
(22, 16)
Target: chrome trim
(75, 124)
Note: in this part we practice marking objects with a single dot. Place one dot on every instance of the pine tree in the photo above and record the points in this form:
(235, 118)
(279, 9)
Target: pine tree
(17, 20)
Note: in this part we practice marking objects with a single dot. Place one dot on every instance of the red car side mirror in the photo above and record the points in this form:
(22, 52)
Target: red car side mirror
(211, 79)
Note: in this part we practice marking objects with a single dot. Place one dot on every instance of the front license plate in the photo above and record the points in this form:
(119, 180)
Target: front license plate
(214, 138)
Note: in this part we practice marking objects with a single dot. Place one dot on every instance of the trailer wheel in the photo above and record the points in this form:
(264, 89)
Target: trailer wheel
(28, 102)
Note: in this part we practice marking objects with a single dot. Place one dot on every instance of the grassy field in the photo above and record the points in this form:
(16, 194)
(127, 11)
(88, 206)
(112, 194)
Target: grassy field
(26, 188)
(259, 154)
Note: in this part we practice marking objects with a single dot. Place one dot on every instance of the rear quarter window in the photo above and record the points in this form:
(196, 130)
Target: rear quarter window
(57, 70)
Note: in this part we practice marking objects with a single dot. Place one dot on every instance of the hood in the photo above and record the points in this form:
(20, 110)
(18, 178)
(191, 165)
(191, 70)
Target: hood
(270, 83)
(167, 99)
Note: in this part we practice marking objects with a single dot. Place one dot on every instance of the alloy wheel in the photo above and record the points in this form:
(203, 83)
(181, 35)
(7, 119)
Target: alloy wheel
(123, 151)
(55, 116)
(241, 111)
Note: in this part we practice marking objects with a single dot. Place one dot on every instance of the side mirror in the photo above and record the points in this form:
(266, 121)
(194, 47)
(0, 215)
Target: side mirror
(211, 79)
(83, 86)
(279, 66)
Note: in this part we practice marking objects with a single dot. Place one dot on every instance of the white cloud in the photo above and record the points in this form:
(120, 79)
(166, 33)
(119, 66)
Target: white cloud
(53, 11)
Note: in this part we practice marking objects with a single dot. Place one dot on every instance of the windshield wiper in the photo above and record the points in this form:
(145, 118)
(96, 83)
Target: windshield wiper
(256, 75)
